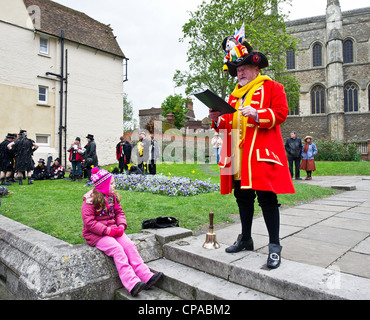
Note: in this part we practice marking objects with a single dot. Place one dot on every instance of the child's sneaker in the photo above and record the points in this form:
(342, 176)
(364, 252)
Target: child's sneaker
(153, 280)
(137, 288)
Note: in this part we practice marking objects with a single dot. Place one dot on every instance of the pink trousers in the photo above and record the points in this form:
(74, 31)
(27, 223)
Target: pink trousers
(130, 266)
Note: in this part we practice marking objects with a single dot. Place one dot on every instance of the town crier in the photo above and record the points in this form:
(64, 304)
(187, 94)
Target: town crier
(253, 160)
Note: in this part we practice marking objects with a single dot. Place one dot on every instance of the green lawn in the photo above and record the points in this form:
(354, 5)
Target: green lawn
(54, 207)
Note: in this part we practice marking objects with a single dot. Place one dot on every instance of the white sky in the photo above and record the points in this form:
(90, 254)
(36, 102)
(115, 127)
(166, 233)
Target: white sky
(148, 32)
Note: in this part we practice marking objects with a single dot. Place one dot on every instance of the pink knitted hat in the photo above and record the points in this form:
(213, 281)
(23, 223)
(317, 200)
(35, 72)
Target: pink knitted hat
(101, 179)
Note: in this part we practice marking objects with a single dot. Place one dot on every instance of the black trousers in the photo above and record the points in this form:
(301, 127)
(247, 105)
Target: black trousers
(152, 167)
(268, 202)
(297, 163)
(122, 165)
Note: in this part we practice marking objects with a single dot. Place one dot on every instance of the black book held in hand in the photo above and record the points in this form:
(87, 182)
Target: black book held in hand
(213, 101)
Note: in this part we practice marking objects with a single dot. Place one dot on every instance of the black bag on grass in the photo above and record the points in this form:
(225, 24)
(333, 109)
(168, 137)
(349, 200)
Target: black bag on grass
(160, 222)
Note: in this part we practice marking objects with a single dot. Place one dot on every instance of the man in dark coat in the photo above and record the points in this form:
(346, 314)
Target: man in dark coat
(123, 154)
(293, 147)
(23, 150)
(90, 156)
(6, 160)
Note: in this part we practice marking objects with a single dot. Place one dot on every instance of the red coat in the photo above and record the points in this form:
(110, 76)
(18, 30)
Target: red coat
(264, 162)
(79, 156)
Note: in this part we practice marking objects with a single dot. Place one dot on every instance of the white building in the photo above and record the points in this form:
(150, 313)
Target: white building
(33, 35)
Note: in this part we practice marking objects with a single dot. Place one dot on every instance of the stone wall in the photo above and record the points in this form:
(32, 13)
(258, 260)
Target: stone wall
(356, 126)
(315, 126)
(36, 266)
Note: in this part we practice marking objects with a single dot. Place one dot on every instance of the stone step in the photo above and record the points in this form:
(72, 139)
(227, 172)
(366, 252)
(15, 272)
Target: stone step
(153, 293)
(191, 284)
(291, 281)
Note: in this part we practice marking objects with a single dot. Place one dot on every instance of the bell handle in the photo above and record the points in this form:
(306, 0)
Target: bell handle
(211, 214)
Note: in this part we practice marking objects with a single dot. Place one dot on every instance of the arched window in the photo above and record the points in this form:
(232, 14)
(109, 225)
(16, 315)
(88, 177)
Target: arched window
(318, 99)
(317, 55)
(348, 51)
(350, 97)
(290, 59)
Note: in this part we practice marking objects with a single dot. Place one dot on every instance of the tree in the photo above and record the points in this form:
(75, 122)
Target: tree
(265, 30)
(129, 123)
(177, 105)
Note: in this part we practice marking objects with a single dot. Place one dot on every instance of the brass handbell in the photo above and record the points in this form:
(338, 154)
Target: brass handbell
(211, 242)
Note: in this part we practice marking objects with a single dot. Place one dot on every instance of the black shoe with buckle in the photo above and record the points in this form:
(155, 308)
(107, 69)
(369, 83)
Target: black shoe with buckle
(240, 245)
(274, 258)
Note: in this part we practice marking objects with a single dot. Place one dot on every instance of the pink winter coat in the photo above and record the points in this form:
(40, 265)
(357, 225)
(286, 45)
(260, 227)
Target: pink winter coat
(96, 222)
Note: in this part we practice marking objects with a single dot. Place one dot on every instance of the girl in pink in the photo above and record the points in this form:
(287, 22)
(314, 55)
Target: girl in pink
(104, 225)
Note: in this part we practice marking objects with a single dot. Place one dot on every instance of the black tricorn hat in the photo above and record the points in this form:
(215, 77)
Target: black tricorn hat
(254, 58)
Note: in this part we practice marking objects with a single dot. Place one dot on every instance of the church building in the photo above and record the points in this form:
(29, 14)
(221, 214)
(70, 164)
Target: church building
(332, 66)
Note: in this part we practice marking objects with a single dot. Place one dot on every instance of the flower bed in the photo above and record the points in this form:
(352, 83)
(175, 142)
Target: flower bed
(160, 184)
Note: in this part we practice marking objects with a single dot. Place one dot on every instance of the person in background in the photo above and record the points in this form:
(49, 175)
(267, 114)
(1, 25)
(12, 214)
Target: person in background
(40, 172)
(23, 150)
(76, 158)
(90, 156)
(309, 150)
(123, 154)
(153, 155)
(293, 147)
(143, 153)
(56, 170)
(6, 160)
(217, 144)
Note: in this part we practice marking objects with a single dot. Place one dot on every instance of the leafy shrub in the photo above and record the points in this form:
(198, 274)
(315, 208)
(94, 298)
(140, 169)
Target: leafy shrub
(329, 150)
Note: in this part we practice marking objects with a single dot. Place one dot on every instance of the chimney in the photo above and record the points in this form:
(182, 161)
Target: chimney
(189, 104)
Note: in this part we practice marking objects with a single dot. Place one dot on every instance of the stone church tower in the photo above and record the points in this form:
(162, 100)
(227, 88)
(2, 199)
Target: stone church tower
(332, 66)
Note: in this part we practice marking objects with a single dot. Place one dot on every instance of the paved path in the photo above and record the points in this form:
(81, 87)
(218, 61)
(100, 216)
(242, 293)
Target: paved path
(331, 233)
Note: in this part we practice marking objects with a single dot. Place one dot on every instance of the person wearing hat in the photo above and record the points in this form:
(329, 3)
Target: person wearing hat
(104, 225)
(76, 158)
(253, 160)
(6, 160)
(23, 149)
(40, 172)
(309, 150)
(90, 156)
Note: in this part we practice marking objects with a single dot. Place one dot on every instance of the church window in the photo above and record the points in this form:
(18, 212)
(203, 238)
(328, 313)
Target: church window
(318, 100)
(348, 51)
(350, 97)
(290, 59)
(317, 55)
